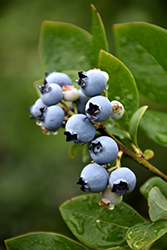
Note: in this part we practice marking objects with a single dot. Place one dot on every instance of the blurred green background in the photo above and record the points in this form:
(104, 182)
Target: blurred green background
(36, 174)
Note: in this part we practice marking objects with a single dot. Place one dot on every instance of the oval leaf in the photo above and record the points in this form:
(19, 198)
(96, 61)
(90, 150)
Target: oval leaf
(74, 149)
(36, 84)
(143, 49)
(98, 32)
(98, 227)
(118, 132)
(122, 86)
(160, 243)
(158, 129)
(119, 248)
(155, 181)
(134, 123)
(73, 74)
(85, 153)
(143, 235)
(40, 241)
(157, 205)
(65, 46)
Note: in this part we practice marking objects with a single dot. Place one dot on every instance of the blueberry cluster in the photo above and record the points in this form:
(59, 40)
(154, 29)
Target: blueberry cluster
(80, 111)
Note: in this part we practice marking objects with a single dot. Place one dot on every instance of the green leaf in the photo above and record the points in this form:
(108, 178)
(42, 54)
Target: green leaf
(143, 49)
(134, 123)
(122, 86)
(98, 227)
(65, 46)
(119, 248)
(85, 153)
(98, 32)
(155, 181)
(157, 205)
(154, 126)
(39, 241)
(160, 243)
(143, 235)
(73, 74)
(36, 84)
(74, 149)
(117, 132)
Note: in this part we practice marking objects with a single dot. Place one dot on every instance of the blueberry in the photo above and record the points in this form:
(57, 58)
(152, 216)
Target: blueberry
(81, 102)
(92, 82)
(51, 94)
(103, 150)
(79, 129)
(35, 109)
(98, 108)
(52, 117)
(117, 110)
(93, 178)
(122, 181)
(60, 78)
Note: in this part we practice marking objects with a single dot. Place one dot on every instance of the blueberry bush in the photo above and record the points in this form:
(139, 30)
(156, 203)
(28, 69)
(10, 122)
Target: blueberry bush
(94, 97)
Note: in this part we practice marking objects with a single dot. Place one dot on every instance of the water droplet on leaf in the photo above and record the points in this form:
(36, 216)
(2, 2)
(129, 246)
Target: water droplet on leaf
(77, 221)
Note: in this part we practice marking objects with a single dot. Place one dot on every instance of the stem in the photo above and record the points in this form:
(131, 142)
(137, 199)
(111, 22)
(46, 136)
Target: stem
(75, 108)
(67, 108)
(118, 159)
(134, 156)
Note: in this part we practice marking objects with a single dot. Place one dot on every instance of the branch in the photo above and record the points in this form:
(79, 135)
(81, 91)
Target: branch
(133, 156)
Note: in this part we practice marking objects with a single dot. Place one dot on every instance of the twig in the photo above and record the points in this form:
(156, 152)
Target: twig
(133, 156)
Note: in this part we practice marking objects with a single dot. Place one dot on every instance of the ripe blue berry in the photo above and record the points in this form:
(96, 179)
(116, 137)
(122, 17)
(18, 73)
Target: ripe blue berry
(92, 82)
(60, 78)
(35, 109)
(98, 108)
(51, 94)
(103, 150)
(122, 181)
(79, 129)
(93, 178)
(52, 117)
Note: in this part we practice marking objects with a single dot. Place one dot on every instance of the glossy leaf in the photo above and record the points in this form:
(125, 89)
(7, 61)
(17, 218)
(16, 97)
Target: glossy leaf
(117, 132)
(74, 150)
(142, 47)
(122, 86)
(98, 227)
(143, 235)
(65, 47)
(119, 248)
(157, 205)
(36, 84)
(85, 153)
(73, 74)
(40, 241)
(98, 32)
(134, 123)
(160, 243)
(154, 126)
(154, 182)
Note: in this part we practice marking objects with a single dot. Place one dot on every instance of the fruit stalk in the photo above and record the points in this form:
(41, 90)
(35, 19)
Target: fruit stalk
(132, 155)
